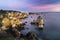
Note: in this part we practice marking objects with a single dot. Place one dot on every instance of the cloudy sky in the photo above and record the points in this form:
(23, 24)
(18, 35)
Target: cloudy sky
(31, 5)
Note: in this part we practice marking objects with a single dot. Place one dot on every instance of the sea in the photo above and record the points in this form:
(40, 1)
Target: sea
(51, 30)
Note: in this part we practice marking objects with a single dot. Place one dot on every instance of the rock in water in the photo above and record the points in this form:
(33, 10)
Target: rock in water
(41, 26)
(31, 36)
(40, 22)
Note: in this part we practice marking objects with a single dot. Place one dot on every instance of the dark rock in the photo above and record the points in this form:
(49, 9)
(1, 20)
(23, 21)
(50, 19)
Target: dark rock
(25, 22)
(29, 36)
(34, 23)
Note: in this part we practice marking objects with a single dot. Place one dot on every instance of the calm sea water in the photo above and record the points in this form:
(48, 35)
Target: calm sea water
(51, 29)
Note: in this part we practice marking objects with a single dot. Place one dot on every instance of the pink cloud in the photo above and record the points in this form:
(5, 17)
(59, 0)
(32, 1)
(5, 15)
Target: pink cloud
(51, 7)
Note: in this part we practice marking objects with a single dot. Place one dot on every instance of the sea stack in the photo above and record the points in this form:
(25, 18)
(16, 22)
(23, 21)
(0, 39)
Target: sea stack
(40, 22)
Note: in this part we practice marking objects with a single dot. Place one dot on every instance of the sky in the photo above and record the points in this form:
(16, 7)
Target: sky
(31, 5)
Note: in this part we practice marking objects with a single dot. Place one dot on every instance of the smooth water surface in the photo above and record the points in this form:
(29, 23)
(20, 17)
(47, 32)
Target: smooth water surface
(51, 29)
